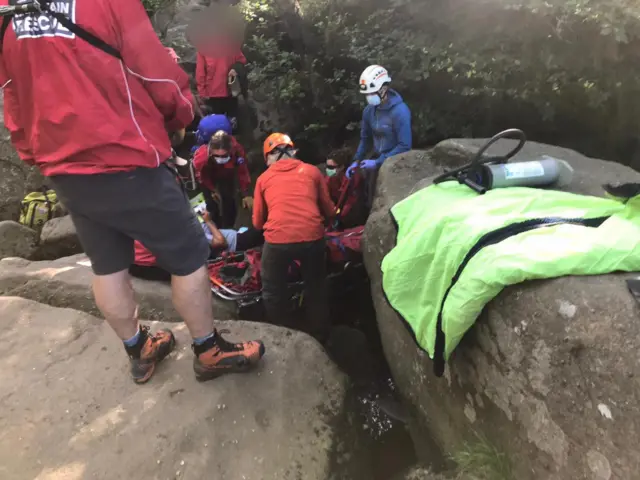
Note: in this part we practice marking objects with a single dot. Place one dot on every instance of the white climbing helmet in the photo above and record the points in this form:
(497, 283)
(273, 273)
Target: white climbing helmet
(373, 78)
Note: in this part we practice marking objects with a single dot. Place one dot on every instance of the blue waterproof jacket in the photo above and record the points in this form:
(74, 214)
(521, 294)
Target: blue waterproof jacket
(386, 129)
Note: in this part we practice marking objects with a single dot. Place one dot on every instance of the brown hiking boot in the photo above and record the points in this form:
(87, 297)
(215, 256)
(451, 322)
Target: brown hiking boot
(149, 351)
(217, 357)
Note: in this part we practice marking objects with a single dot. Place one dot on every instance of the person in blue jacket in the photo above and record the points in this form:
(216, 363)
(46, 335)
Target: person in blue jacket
(386, 127)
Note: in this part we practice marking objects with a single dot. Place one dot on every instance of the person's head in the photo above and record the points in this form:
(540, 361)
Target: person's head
(374, 83)
(338, 161)
(276, 147)
(220, 147)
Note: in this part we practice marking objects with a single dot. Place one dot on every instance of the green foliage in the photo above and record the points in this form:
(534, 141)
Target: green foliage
(479, 460)
(561, 69)
(152, 6)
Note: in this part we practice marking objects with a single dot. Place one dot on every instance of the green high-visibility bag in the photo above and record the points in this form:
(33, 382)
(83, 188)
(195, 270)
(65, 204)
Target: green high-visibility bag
(456, 250)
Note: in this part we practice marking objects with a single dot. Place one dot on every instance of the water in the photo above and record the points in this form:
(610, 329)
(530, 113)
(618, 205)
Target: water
(355, 346)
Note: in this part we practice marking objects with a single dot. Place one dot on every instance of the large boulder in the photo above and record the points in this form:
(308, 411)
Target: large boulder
(70, 410)
(16, 240)
(550, 373)
(58, 239)
(66, 282)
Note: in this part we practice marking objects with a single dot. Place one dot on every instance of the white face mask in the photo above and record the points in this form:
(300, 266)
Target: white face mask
(373, 99)
(222, 160)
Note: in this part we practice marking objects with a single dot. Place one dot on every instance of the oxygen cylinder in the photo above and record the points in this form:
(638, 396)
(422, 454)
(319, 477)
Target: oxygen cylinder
(542, 172)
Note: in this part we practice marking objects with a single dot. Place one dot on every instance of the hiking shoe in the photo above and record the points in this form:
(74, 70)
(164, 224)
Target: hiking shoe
(217, 357)
(149, 351)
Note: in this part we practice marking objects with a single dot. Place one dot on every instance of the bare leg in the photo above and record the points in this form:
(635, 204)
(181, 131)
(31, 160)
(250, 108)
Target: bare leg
(115, 299)
(192, 299)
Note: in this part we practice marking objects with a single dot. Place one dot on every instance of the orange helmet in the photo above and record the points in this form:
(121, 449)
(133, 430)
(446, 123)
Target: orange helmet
(274, 141)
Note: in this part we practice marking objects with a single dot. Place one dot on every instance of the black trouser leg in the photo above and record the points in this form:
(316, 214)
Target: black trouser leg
(250, 239)
(217, 105)
(370, 179)
(275, 293)
(229, 207)
(313, 268)
(213, 207)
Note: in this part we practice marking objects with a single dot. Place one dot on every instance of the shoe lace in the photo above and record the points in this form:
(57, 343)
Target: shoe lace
(226, 346)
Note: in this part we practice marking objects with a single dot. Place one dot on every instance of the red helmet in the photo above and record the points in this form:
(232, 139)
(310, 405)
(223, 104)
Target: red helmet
(274, 141)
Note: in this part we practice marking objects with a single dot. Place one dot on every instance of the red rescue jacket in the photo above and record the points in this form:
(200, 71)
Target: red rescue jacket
(212, 74)
(73, 109)
(209, 173)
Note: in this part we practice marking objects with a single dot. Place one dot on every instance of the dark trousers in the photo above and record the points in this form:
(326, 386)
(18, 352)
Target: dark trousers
(370, 179)
(224, 216)
(224, 105)
(276, 260)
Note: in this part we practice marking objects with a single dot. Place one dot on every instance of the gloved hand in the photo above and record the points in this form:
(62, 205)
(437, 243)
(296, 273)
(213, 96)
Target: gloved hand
(368, 164)
(351, 169)
(247, 202)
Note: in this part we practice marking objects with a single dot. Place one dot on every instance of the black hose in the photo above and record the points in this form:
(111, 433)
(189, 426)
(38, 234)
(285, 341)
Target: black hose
(461, 173)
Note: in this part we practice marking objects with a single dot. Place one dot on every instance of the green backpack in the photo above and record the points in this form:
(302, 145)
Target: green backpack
(39, 207)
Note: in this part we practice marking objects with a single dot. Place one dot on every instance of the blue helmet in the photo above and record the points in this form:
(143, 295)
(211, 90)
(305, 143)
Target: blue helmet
(210, 125)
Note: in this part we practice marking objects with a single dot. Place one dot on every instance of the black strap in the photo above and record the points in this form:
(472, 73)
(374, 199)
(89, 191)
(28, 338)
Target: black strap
(85, 35)
(5, 24)
(45, 191)
(69, 25)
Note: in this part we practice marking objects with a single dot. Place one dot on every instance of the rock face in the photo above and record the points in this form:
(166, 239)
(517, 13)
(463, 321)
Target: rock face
(550, 373)
(70, 409)
(16, 177)
(67, 283)
(16, 240)
(58, 239)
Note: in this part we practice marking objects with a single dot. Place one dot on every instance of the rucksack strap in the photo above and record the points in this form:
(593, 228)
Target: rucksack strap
(85, 35)
(3, 29)
(69, 25)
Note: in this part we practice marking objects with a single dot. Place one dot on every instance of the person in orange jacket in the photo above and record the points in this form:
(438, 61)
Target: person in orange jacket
(292, 206)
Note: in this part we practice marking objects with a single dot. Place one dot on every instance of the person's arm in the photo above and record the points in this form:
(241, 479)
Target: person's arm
(327, 207)
(201, 74)
(401, 117)
(242, 170)
(366, 136)
(217, 240)
(240, 58)
(145, 58)
(259, 216)
(199, 161)
(12, 122)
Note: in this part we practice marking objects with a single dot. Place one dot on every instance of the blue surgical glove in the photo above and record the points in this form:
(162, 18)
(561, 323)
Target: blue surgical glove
(368, 164)
(351, 169)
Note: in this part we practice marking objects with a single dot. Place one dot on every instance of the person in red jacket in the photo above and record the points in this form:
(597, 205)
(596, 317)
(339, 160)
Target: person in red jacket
(346, 193)
(216, 165)
(95, 120)
(216, 71)
(292, 206)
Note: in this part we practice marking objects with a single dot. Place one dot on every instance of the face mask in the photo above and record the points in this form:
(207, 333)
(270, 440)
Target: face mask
(222, 160)
(330, 172)
(373, 99)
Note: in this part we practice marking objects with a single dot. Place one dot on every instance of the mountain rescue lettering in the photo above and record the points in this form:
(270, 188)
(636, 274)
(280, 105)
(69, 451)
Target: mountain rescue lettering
(43, 24)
